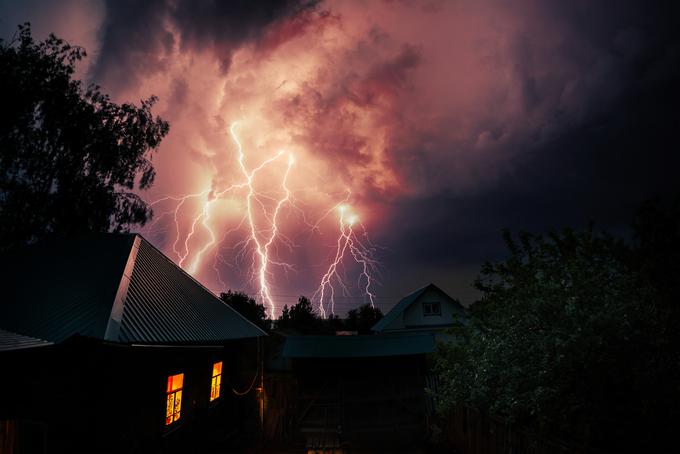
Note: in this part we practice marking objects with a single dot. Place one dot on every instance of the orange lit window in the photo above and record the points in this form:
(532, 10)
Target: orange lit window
(173, 402)
(216, 382)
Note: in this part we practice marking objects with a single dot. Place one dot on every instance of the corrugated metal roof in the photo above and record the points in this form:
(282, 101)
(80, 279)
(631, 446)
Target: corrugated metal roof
(111, 286)
(165, 305)
(358, 346)
(14, 341)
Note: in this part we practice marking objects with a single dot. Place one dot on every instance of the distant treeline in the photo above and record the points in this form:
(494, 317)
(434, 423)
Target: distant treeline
(302, 318)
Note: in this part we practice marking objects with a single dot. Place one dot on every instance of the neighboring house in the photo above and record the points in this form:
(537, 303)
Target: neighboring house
(107, 346)
(428, 309)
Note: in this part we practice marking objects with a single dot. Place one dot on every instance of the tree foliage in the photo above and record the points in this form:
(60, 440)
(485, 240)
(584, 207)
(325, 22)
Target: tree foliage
(363, 318)
(300, 317)
(71, 158)
(248, 307)
(576, 334)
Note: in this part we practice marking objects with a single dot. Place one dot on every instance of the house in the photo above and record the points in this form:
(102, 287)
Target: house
(428, 309)
(107, 346)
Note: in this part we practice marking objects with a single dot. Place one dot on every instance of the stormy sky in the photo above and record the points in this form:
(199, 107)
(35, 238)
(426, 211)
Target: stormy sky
(435, 123)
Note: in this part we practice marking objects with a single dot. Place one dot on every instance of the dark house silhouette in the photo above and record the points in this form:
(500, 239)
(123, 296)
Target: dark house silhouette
(428, 309)
(107, 346)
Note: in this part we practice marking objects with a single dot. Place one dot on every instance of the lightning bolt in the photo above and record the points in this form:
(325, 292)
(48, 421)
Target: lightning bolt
(360, 251)
(260, 225)
(263, 245)
(263, 238)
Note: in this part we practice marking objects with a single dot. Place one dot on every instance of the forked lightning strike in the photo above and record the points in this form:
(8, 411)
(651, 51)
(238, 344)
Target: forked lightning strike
(360, 252)
(261, 239)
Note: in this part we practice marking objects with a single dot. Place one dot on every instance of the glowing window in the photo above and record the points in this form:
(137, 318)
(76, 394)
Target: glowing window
(216, 382)
(173, 402)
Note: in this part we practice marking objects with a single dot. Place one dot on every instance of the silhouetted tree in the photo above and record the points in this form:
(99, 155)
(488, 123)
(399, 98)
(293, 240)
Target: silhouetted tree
(69, 157)
(301, 317)
(332, 324)
(248, 307)
(363, 318)
(576, 334)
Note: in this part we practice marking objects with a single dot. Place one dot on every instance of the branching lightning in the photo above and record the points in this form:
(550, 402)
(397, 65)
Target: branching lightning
(261, 224)
(360, 252)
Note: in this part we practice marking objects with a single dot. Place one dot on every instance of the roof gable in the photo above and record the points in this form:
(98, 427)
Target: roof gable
(116, 287)
(399, 309)
(164, 304)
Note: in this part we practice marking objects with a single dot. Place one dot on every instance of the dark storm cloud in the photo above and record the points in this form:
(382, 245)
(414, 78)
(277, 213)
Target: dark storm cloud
(137, 38)
(615, 150)
(599, 171)
(453, 119)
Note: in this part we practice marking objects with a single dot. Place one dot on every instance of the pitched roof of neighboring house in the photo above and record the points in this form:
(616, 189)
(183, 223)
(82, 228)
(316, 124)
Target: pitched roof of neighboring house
(358, 346)
(14, 341)
(114, 287)
(403, 304)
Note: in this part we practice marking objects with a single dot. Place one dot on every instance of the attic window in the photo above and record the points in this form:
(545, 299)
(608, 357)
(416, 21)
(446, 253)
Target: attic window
(216, 382)
(432, 308)
(173, 402)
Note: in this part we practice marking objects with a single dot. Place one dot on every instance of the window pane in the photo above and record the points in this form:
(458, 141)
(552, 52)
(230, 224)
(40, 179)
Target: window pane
(178, 403)
(169, 408)
(217, 368)
(177, 381)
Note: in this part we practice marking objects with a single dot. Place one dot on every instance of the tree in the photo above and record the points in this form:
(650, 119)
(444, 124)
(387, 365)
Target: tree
(301, 317)
(71, 158)
(248, 307)
(363, 318)
(568, 338)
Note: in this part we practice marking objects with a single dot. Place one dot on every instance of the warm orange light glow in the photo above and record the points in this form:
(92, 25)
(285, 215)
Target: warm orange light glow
(173, 403)
(216, 382)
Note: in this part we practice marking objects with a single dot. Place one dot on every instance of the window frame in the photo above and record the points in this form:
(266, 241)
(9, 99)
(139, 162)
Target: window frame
(435, 308)
(216, 381)
(172, 392)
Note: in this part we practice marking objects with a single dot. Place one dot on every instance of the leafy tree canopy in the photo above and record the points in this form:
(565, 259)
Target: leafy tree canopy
(247, 306)
(301, 317)
(576, 334)
(70, 158)
(363, 318)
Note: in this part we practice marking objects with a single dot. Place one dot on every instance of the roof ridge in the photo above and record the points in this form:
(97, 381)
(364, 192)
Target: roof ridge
(403, 304)
(118, 307)
(210, 292)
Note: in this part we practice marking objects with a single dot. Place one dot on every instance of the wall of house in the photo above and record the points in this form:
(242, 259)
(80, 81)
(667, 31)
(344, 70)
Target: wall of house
(414, 315)
(94, 397)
